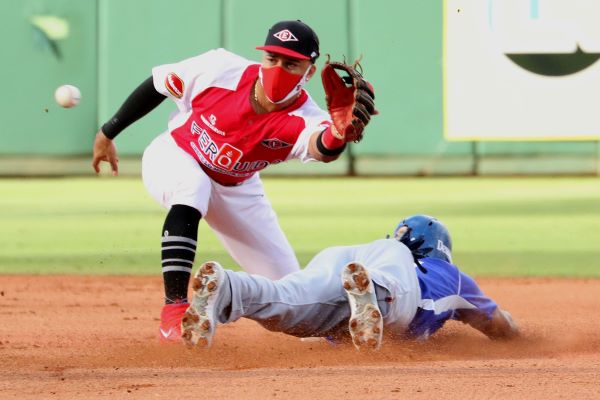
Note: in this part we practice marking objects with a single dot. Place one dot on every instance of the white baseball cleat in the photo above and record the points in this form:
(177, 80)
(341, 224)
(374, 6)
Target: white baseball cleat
(200, 319)
(366, 322)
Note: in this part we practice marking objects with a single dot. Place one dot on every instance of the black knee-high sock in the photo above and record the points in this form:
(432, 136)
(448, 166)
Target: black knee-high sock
(179, 236)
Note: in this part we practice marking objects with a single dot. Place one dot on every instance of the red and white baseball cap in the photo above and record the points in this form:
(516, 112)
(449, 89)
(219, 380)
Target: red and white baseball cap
(293, 39)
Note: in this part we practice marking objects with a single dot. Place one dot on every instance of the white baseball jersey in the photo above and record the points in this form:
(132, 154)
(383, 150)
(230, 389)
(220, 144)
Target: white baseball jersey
(216, 124)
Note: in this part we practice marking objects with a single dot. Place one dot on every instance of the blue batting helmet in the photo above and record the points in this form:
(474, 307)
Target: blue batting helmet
(425, 236)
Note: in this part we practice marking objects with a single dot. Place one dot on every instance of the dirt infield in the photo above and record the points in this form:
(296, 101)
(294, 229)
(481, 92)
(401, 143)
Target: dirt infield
(96, 337)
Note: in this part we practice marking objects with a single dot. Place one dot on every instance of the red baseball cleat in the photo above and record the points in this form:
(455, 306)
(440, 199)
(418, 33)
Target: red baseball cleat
(169, 330)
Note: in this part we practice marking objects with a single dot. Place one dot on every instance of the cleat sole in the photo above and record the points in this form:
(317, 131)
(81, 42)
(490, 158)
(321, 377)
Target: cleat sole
(199, 321)
(366, 323)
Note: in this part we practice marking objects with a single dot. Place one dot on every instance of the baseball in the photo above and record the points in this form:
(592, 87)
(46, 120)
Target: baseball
(67, 96)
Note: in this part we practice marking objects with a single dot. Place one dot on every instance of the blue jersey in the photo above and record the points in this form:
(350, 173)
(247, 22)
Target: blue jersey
(446, 293)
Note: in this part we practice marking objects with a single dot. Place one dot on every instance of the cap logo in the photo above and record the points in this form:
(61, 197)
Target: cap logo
(286, 36)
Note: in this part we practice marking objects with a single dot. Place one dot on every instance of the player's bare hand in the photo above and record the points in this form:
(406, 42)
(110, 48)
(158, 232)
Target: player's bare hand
(105, 150)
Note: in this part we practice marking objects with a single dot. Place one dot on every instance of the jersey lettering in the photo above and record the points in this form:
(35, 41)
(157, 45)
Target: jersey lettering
(207, 146)
(197, 129)
(223, 159)
(228, 156)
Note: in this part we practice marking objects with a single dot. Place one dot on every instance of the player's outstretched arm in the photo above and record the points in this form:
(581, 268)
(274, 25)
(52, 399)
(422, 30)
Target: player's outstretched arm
(500, 326)
(140, 102)
(105, 150)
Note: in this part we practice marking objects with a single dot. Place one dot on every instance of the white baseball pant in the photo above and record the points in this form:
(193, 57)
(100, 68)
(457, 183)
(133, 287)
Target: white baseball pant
(241, 216)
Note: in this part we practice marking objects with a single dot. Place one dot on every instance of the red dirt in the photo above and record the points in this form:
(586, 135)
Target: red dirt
(96, 337)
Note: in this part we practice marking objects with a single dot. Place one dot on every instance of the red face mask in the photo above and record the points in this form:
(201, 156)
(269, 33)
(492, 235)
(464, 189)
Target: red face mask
(280, 85)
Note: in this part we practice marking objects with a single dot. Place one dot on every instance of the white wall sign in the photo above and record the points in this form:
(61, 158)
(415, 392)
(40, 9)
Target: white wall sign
(522, 69)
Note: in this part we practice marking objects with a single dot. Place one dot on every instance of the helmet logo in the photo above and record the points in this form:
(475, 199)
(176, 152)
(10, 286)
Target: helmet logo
(286, 36)
(444, 249)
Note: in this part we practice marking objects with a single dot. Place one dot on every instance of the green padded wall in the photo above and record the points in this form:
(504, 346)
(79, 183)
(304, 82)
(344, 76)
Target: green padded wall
(32, 123)
(136, 35)
(402, 46)
(113, 44)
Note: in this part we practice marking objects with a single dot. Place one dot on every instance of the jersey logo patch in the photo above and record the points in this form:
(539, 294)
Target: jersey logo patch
(286, 36)
(174, 85)
(210, 122)
(227, 157)
(275, 144)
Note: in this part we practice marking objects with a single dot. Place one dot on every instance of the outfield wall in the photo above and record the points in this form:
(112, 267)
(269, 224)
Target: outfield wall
(111, 46)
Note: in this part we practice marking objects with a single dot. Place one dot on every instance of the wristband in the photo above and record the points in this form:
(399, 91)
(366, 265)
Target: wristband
(332, 139)
(326, 151)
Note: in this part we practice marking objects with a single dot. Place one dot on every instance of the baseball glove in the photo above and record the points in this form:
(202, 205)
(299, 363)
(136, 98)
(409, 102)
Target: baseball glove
(350, 99)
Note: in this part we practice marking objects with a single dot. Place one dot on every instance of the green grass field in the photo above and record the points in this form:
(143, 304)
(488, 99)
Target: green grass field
(500, 226)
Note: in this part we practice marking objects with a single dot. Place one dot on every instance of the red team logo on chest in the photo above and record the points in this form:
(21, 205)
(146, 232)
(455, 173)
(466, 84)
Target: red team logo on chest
(228, 156)
(220, 157)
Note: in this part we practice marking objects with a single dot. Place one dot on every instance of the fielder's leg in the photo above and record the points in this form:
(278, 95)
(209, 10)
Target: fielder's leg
(176, 181)
(178, 241)
(244, 221)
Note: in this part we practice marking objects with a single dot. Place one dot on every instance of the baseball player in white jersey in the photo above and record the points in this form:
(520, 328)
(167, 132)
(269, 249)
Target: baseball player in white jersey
(405, 285)
(234, 117)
